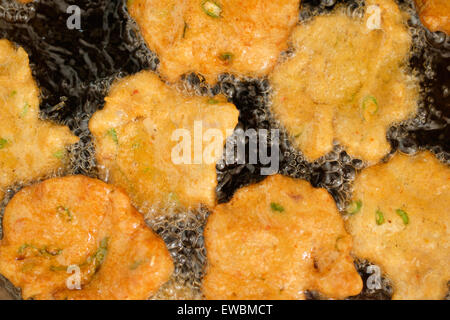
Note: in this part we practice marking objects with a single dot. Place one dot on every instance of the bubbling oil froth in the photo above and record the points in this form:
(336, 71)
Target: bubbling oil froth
(75, 88)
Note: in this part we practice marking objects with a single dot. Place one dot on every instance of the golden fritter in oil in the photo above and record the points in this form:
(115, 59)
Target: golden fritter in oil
(275, 240)
(138, 136)
(346, 82)
(29, 148)
(77, 227)
(403, 224)
(217, 36)
(434, 14)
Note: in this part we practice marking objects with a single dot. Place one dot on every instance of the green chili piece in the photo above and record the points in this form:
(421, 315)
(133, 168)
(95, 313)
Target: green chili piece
(59, 154)
(354, 207)
(58, 268)
(403, 215)
(276, 207)
(3, 143)
(47, 252)
(226, 56)
(113, 134)
(379, 217)
(25, 246)
(212, 101)
(211, 8)
(25, 109)
(136, 265)
(366, 102)
(100, 255)
(64, 213)
(173, 197)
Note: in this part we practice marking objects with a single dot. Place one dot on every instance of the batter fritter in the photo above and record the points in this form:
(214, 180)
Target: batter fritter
(346, 82)
(434, 14)
(77, 226)
(29, 147)
(403, 223)
(275, 240)
(137, 140)
(217, 36)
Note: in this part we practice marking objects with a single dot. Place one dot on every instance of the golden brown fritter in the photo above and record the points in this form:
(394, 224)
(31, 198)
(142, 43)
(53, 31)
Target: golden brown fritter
(346, 82)
(29, 148)
(404, 224)
(214, 37)
(82, 222)
(136, 141)
(275, 240)
(434, 14)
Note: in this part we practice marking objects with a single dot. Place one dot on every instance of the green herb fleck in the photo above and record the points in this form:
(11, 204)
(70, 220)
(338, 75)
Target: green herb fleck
(212, 101)
(101, 252)
(135, 146)
(13, 93)
(379, 217)
(113, 134)
(276, 207)
(64, 213)
(3, 143)
(147, 170)
(136, 264)
(24, 247)
(403, 215)
(58, 268)
(366, 103)
(50, 252)
(173, 197)
(336, 244)
(59, 154)
(226, 56)
(45, 251)
(354, 207)
(211, 8)
(25, 109)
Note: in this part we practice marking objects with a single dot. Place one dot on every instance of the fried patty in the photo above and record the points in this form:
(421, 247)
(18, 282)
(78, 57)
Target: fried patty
(275, 240)
(29, 147)
(346, 82)
(434, 14)
(138, 144)
(403, 224)
(214, 37)
(78, 222)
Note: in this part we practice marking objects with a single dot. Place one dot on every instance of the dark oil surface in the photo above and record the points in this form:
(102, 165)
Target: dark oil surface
(74, 69)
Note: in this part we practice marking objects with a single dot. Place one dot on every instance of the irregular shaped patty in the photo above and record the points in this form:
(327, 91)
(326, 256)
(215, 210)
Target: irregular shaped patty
(138, 136)
(214, 37)
(403, 223)
(275, 240)
(61, 225)
(346, 82)
(434, 14)
(29, 147)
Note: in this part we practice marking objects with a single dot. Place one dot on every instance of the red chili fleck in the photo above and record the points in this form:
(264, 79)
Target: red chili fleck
(295, 197)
